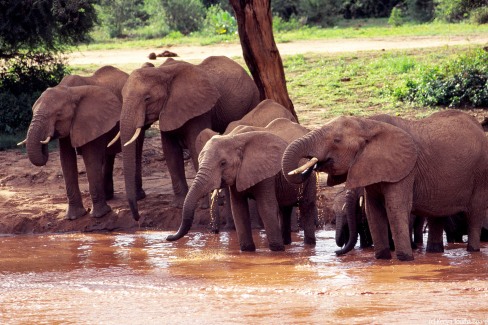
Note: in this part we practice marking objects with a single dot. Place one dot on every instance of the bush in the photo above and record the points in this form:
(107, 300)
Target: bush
(396, 17)
(219, 21)
(480, 15)
(319, 12)
(462, 82)
(452, 11)
(22, 80)
(281, 25)
(185, 16)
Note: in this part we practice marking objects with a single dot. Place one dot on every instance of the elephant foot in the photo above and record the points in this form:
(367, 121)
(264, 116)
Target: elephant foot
(404, 256)
(472, 249)
(140, 194)
(287, 239)
(248, 247)
(276, 247)
(99, 212)
(74, 213)
(310, 241)
(178, 201)
(383, 254)
(435, 248)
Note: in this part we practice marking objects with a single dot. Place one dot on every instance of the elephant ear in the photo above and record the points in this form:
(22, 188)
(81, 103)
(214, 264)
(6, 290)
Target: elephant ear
(202, 139)
(261, 158)
(191, 93)
(97, 112)
(389, 155)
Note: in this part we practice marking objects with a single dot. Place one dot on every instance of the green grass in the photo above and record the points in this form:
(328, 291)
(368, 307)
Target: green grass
(361, 28)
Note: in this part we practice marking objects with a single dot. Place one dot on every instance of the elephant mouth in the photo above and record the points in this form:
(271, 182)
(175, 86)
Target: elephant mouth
(326, 166)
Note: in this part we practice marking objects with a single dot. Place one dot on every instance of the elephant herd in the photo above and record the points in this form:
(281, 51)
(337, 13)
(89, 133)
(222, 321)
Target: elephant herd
(255, 151)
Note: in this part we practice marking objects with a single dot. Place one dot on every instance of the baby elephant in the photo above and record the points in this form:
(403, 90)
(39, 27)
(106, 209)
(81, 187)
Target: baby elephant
(248, 160)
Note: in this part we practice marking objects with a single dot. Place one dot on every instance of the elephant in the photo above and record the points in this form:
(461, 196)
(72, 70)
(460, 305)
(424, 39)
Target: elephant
(82, 113)
(248, 161)
(186, 99)
(84, 119)
(260, 116)
(433, 167)
(456, 227)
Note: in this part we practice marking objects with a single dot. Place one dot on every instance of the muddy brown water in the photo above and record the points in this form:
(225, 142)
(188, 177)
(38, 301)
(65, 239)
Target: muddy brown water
(140, 278)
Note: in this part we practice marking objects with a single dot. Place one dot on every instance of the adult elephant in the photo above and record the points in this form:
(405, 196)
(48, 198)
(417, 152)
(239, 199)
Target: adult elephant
(248, 161)
(83, 119)
(432, 167)
(186, 99)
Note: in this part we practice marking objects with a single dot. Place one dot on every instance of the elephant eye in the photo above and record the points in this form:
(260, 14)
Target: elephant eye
(223, 163)
(147, 98)
(337, 140)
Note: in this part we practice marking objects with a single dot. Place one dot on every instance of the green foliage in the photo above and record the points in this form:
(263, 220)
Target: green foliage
(282, 25)
(480, 15)
(120, 16)
(219, 21)
(457, 10)
(420, 10)
(367, 8)
(22, 80)
(461, 82)
(47, 24)
(185, 16)
(319, 12)
(396, 17)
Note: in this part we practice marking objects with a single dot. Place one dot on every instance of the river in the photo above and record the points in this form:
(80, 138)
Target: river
(139, 278)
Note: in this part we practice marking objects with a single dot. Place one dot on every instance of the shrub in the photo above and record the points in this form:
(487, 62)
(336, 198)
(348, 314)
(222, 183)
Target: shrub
(462, 82)
(456, 10)
(219, 21)
(396, 17)
(185, 16)
(480, 15)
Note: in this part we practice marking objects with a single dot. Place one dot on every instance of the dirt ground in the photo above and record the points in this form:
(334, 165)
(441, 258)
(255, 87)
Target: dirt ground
(33, 200)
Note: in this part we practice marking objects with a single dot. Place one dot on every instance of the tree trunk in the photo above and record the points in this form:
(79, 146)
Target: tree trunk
(262, 57)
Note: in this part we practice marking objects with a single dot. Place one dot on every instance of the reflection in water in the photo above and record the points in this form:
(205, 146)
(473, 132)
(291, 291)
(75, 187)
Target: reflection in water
(142, 279)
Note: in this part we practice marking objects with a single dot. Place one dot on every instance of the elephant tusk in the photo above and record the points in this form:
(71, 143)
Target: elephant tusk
(134, 137)
(361, 201)
(343, 207)
(46, 141)
(22, 142)
(304, 167)
(114, 139)
(215, 193)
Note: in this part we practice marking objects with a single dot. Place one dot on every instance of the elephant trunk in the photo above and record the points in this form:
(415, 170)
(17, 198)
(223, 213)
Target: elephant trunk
(37, 152)
(127, 130)
(303, 147)
(201, 185)
(351, 209)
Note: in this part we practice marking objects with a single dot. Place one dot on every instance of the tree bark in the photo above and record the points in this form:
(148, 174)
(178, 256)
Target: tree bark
(254, 22)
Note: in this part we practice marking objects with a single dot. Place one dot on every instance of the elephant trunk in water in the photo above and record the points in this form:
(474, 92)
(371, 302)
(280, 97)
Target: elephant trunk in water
(351, 206)
(202, 184)
(38, 152)
(304, 147)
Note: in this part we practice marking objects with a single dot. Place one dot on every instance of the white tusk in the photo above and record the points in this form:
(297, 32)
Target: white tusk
(46, 141)
(361, 201)
(117, 136)
(22, 142)
(134, 137)
(304, 167)
(215, 193)
(343, 207)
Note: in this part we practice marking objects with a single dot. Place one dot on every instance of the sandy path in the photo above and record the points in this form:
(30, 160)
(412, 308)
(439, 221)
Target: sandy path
(128, 56)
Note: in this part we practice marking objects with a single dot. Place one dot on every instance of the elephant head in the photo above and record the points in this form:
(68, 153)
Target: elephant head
(357, 151)
(172, 93)
(241, 160)
(83, 113)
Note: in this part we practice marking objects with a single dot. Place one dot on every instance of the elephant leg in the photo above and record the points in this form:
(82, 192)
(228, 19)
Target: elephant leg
(267, 204)
(174, 159)
(69, 166)
(418, 230)
(285, 212)
(108, 180)
(435, 242)
(94, 160)
(140, 194)
(240, 211)
(475, 217)
(378, 223)
(227, 211)
(398, 204)
(308, 211)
